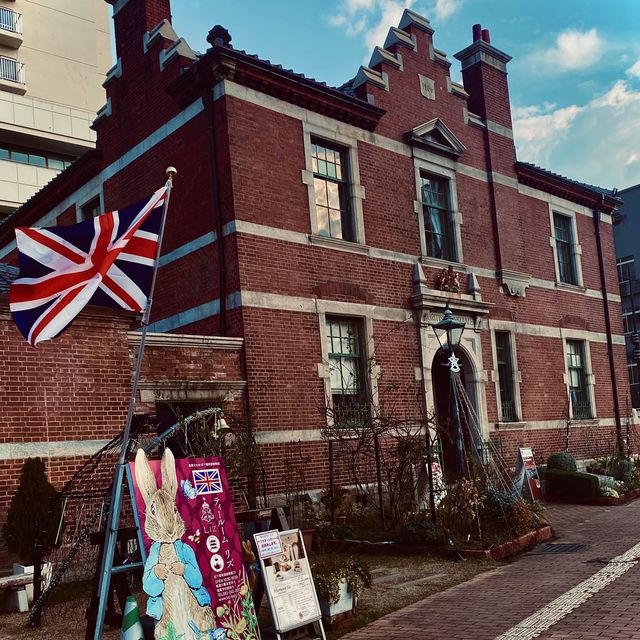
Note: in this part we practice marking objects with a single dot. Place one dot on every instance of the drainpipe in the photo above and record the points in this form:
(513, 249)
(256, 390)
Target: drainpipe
(207, 99)
(607, 322)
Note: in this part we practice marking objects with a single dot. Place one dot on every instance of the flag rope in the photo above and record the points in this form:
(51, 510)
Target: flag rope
(113, 520)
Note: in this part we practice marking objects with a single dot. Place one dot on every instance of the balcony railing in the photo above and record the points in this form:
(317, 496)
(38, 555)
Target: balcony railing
(12, 70)
(582, 409)
(508, 411)
(10, 20)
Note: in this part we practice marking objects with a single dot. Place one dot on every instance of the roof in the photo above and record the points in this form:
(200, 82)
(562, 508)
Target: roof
(588, 194)
(577, 183)
(300, 89)
(7, 275)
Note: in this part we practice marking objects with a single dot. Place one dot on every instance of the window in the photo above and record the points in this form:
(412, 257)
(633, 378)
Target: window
(35, 159)
(438, 218)
(346, 368)
(91, 209)
(629, 324)
(11, 70)
(578, 390)
(331, 187)
(626, 270)
(508, 411)
(633, 371)
(565, 249)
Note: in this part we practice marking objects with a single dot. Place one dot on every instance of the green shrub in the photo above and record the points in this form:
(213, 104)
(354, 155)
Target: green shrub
(329, 570)
(563, 461)
(609, 492)
(571, 483)
(422, 532)
(623, 469)
(34, 513)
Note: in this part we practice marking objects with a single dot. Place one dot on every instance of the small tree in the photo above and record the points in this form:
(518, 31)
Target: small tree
(34, 513)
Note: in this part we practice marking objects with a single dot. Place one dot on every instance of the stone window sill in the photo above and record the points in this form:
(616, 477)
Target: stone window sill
(440, 264)
(504, 426)
(589, 422)
(564, 286)
(339, 245)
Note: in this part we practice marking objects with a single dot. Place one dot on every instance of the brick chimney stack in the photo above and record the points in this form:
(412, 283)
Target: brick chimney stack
(132, 19)
(484, 73)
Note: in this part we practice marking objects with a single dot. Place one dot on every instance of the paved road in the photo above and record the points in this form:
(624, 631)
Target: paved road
(593, 593)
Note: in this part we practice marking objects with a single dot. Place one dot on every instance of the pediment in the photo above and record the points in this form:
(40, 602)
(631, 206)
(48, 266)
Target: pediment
(436, 136)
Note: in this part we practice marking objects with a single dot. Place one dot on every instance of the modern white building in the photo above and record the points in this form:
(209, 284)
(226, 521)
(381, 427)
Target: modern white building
(53, 58)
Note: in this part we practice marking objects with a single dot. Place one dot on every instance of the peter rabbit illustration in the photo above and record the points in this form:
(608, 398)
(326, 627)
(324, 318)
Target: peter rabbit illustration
(172, 578)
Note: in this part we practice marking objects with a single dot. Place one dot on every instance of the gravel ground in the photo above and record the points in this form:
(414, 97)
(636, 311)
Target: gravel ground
(398, 581)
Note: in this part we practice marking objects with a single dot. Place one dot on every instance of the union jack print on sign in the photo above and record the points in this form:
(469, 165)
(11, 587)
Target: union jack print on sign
(106, 261)
(207, 481)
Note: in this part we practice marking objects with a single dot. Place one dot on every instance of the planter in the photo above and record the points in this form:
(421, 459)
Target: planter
(310, 539)
(595, 501)
(341, 610)
(20, 599)
(498, 552)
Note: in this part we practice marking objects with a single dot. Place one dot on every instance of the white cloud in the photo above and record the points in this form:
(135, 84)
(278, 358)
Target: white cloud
(445, 8)
(390, 14)
(618, 97)
(634, 70)
(538, 130)
(573, 50)
(373, 18)
(596, 142)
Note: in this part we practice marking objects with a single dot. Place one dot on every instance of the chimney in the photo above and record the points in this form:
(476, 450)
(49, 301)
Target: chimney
(133, 19)
(484, 73)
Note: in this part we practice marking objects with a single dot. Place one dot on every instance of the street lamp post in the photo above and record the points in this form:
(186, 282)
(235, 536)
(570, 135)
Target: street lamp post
(449, 333)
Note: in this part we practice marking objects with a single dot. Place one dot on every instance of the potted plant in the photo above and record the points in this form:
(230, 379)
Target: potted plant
(33, 517)
(339, 582)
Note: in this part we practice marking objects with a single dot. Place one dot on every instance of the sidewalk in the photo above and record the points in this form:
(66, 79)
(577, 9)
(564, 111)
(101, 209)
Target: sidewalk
(541, 595)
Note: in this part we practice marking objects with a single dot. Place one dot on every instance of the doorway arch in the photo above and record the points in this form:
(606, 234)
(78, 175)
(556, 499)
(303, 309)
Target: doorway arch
(441, 389)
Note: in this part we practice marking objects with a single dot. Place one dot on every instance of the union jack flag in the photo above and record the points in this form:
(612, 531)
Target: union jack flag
(207, 481)
(106, 261)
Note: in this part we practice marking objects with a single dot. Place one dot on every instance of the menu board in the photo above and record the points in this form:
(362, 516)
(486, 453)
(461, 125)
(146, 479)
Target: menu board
(528, 471)
(287, 579)
(208, 552)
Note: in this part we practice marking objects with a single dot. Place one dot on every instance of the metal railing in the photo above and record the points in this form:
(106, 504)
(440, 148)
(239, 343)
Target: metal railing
(581, 409)
(12, 70)
(10, 20)
(508, 411)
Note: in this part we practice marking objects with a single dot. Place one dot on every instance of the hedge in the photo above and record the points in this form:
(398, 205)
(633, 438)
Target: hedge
(571, 483)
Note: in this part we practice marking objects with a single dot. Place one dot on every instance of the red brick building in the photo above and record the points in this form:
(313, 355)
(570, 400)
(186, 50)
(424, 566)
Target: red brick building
(314, 223)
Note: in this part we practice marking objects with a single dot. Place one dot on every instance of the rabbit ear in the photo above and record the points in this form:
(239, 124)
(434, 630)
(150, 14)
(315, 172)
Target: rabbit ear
(144, 476)
(169, 478)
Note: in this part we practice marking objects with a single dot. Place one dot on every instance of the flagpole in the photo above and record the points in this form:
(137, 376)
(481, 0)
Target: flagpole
(111, 531)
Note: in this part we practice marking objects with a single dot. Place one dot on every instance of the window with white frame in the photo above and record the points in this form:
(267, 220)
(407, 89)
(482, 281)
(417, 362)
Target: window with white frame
(506, 377)
(345, 353)
(439, 226)
(436, 207)
(579, 392)
(332, 190)
(332, 176)
(566, 249)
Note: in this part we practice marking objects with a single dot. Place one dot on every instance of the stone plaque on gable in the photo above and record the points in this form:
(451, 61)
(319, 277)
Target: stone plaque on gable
(427, 87)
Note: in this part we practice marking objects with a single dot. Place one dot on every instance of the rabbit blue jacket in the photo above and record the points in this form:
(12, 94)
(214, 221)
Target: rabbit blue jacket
(154, 587)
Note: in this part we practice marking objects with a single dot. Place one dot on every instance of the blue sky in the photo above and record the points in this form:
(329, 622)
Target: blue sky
(574, 78)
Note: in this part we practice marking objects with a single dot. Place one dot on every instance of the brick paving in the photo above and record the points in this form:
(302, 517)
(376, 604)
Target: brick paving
(594, 593)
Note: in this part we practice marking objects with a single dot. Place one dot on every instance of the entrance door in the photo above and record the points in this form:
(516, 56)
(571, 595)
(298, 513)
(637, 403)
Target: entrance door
(442, 401)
